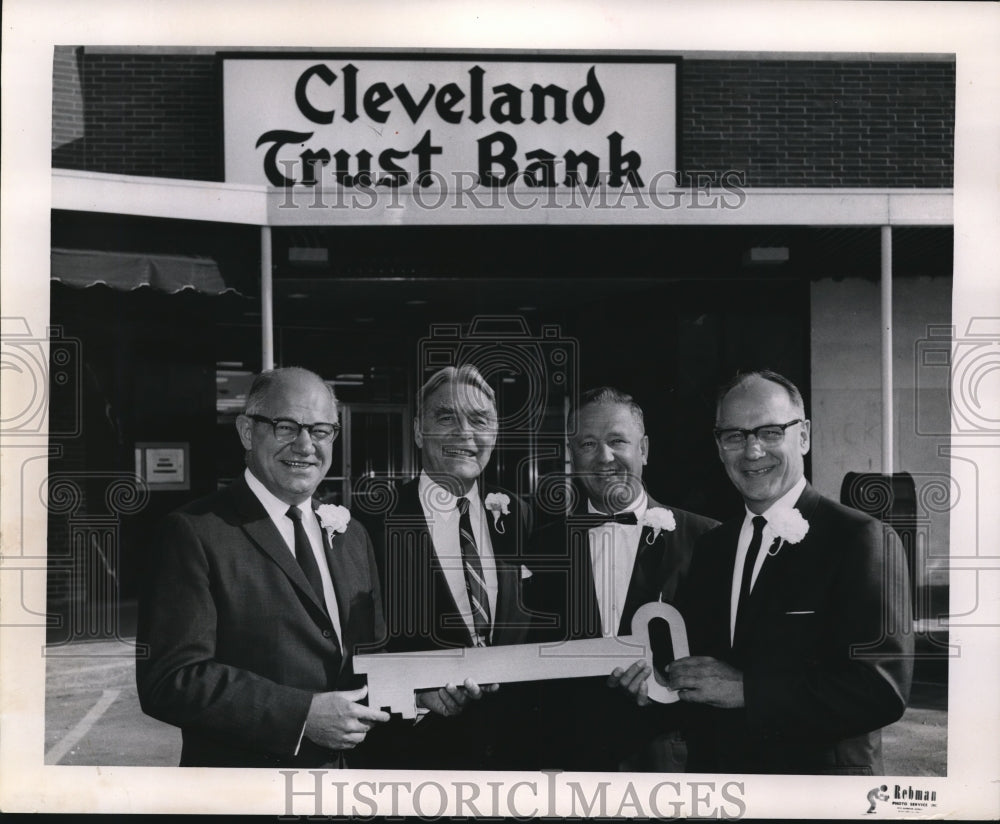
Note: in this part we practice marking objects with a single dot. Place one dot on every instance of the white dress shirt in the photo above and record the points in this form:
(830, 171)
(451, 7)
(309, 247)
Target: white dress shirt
(441, 511)
(277, 511)
(786, 501)
(613, 548)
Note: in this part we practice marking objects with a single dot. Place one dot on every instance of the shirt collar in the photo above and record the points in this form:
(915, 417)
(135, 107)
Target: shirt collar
(638, 506)
(786, 501)
(275, 507)
(443, 500)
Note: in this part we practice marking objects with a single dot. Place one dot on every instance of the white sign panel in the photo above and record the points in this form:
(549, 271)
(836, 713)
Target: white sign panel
(464, 124)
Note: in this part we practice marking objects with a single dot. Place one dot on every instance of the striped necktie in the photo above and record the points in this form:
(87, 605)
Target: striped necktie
(475, 583)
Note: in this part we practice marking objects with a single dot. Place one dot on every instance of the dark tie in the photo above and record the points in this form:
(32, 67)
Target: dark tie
(592, 519)
(753, 551)
(475, 583)
(304, 553)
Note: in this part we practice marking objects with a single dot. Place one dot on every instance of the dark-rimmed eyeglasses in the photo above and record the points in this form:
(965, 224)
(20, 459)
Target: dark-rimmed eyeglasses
(286, 430)
(769, 434)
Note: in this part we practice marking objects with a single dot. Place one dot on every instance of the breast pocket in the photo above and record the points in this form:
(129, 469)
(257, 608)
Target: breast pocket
(794, 633)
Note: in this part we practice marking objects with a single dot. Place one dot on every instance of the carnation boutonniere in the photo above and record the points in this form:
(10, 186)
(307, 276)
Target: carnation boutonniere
(333, 518)
(499, 505)
(789, 526)
(657, 518)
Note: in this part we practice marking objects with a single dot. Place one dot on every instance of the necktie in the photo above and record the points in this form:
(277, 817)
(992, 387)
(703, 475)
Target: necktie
(753, 551)
(304, 554)
(592, 519)
(475, 583)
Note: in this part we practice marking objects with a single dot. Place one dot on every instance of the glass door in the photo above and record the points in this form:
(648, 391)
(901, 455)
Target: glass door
(376, 448)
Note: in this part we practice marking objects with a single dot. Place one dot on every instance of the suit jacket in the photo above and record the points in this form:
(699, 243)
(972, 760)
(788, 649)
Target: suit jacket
(238, 642)
(421, 614)
(589, 726)
(825, 647)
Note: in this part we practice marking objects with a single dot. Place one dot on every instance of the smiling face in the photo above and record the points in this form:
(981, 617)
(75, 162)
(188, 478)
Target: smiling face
(456, 432)
(609, 451)
(762, 473)
(290, 471)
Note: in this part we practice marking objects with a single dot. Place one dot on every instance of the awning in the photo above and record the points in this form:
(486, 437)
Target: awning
(128, 270)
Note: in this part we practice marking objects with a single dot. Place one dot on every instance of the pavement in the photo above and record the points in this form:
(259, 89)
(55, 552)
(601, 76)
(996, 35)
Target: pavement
(92, 715)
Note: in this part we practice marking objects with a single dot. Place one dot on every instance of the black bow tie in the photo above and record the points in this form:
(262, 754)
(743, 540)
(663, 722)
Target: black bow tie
(592, 519)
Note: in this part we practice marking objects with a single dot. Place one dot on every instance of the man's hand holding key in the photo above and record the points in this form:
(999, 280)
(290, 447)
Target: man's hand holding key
(451, 699)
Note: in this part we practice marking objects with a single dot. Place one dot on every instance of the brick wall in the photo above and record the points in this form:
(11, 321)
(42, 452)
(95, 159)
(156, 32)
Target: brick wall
(821, 123)
(782, 122)
(143, 114)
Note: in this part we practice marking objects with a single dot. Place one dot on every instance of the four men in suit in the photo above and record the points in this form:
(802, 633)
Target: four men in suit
(798, 613)
(617, 550)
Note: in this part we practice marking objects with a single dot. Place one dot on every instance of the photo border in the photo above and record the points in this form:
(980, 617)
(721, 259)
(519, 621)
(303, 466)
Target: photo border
(32, 29)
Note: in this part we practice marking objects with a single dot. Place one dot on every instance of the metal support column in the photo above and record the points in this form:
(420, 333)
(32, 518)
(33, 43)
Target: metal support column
(266, 299)
(887, 408)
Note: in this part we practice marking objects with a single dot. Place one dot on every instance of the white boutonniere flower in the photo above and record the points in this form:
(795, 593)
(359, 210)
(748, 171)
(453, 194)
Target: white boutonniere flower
(333, 518)
(789, 526)
(658, 518)
(498, 504)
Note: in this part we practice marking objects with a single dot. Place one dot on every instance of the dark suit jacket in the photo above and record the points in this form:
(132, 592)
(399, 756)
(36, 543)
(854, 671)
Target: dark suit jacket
(238, 641)
(825, 647)
(421, 614)
(589, 726)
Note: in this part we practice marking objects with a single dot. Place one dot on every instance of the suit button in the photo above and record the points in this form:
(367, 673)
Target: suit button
(327, 633)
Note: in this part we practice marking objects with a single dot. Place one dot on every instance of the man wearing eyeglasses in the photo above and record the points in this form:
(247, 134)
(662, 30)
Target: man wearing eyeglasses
(254, 606)
(798, 613)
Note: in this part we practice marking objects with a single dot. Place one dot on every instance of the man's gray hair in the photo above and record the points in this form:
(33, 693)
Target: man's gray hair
(464, 375)
(606, 395)
(262, 384)
(763, 374)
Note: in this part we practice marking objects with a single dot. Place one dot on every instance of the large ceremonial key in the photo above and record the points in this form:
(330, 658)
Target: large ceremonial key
(393, 677)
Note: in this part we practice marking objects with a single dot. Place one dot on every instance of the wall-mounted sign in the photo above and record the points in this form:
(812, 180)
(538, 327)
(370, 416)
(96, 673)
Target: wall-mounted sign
(163, 466)
(464, 123)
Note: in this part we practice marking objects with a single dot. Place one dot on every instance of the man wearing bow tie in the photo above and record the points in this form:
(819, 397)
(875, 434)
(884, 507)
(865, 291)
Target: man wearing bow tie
(616, 551)
(798, 613)
(446, 552)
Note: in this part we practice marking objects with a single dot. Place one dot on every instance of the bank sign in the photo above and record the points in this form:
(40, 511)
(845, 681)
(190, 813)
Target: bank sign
(473, 122)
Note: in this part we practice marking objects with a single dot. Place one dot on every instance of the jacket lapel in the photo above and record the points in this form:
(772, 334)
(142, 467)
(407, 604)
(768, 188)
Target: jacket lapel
(433, 590)
(341, 576)
(654, 564)
(507, 617)
(722, 555)
(650, 556)
(262, 532)
(770, 575)
(585, 613)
